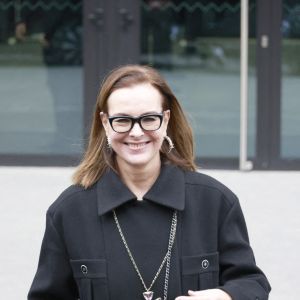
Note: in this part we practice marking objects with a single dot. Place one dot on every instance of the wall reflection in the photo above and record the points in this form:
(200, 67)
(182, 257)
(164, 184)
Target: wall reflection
(41, 77)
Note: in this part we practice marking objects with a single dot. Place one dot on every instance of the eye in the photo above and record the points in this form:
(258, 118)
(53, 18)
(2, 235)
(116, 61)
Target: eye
(122, 121)
(150, 119)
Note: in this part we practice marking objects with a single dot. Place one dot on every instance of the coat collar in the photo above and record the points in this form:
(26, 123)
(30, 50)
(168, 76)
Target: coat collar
(168, 190)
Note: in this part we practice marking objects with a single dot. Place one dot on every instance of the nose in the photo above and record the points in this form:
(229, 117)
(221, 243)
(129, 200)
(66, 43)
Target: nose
(136, 130)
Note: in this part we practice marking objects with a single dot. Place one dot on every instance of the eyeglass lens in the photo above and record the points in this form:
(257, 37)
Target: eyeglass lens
(124, 124)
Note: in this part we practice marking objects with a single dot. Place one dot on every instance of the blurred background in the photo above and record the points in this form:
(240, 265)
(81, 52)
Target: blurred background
(54, 54)
(53, 57)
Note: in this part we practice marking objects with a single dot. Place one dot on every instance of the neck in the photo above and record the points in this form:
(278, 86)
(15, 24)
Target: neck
(139, 179)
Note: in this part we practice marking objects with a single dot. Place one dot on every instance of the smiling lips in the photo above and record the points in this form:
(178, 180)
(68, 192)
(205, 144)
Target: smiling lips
(137, 146)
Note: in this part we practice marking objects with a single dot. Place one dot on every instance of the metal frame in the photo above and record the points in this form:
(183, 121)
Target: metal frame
(244, 164)
(115, 27)
(263, 85)
(38, 160)
(268, 139)
(218, 163)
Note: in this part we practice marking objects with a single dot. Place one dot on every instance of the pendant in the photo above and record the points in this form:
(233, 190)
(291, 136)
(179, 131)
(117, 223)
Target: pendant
(148, 296)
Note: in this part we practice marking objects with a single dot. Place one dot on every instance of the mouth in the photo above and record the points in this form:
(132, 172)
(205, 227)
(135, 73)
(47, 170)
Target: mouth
(137, 146)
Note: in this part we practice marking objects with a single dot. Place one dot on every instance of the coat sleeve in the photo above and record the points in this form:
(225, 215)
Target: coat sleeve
(53, 279)
(239, 275)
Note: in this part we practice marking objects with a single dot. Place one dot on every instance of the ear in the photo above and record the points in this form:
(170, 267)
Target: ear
(167, 114)
(104, 120)
(166, 121)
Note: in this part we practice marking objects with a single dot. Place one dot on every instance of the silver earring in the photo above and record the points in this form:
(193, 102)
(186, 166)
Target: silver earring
(171, 145)
(108, 141)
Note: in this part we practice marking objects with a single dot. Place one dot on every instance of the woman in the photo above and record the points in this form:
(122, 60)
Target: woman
(139, 222)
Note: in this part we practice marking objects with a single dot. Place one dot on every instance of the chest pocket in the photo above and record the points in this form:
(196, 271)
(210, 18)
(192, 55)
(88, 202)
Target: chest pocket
(200, 272)
(91, 278)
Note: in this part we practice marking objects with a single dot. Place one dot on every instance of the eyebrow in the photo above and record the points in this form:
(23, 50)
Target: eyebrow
(143, 114)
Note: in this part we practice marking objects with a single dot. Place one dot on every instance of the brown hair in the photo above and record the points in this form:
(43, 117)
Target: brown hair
(98, 158)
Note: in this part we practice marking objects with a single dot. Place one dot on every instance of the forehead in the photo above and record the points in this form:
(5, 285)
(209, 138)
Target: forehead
(135, 100)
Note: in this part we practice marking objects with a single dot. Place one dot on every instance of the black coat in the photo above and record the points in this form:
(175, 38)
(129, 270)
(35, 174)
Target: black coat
(82, 255)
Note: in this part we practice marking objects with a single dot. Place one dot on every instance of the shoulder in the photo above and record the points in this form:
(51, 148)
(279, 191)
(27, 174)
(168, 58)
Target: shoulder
(201, 183)
(71, 199)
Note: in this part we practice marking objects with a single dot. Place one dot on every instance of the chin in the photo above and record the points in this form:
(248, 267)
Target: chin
(138, 161)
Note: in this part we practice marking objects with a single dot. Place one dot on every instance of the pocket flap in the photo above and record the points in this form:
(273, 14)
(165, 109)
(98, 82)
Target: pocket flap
(89, 268)
(200, 263)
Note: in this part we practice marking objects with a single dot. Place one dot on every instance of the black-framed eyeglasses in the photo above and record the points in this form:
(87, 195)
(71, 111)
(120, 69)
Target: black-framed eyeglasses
(122, 124)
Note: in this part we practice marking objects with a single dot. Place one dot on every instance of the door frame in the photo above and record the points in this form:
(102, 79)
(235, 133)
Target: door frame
(107, 25)
(268, 129)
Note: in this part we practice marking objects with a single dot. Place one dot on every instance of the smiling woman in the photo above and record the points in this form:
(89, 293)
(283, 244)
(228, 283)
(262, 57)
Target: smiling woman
(134, 91)
(136, 146)
(186, 238)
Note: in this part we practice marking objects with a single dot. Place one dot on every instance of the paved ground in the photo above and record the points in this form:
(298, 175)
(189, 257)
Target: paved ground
(270, 200)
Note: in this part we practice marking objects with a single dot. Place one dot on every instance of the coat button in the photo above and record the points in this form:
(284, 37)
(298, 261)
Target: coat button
(205, 264)
(84, 269)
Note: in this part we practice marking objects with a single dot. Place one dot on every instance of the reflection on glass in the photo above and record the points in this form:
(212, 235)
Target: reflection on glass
(290, 112)
(196, 45)
(41, 77)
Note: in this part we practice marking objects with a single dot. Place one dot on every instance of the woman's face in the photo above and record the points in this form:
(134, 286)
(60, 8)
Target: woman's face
(137, 147)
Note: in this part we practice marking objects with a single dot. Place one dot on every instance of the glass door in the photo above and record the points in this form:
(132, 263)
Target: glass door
(41, 79)
(290, 70)
(196, 46)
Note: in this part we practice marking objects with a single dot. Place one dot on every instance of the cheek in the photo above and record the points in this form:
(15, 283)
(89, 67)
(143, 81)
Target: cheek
(157, 137)
(114, 136)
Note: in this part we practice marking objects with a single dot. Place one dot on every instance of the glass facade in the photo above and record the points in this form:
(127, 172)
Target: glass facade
(290, 101)
(41, 77)
(196, 45)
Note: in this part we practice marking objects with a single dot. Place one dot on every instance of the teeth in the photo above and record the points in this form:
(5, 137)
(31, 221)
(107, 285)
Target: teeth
(136, 146)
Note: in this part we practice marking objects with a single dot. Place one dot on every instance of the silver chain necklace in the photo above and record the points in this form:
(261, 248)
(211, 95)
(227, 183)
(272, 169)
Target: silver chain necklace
(148, 294)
